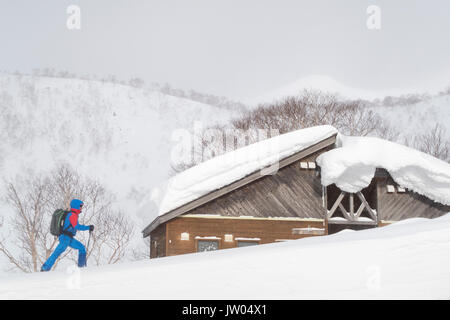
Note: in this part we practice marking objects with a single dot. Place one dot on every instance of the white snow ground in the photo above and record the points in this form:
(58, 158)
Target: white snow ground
(406, 260)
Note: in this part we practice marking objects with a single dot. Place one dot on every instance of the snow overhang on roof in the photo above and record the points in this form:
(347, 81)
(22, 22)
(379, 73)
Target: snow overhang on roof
(352, 166)
(224, 170)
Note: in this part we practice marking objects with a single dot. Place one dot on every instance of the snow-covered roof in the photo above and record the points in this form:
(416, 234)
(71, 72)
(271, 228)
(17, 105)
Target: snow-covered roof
(232, 166)
(352, 166)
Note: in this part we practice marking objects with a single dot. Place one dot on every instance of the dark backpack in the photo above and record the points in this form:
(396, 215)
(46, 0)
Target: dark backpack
(57, 223)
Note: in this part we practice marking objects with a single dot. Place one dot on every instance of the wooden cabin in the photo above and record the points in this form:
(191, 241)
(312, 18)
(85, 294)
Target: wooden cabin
(288, 205)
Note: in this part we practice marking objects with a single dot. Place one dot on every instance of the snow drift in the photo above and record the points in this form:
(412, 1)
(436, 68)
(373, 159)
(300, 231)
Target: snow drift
(406, 260)
(352, 166)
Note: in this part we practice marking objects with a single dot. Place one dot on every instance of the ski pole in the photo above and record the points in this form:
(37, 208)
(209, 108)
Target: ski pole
(87, 248)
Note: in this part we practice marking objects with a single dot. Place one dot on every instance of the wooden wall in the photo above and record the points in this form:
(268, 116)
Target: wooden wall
(158, 242)
(268, 230)
(291, 192)
(399, 206)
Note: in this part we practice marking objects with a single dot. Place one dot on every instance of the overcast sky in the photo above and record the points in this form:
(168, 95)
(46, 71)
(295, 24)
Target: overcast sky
(235, 48)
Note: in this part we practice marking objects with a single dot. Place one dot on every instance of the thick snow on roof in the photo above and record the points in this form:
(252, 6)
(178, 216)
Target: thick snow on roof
(352, 167)
(232, 166)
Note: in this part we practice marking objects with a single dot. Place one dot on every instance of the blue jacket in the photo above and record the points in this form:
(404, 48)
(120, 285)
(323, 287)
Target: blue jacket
(71, 224)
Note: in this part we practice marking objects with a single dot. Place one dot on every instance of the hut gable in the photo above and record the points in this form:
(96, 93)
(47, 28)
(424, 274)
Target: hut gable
(293, 192)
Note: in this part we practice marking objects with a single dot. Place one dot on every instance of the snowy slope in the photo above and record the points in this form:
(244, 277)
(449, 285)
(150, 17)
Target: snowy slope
(408, 119)
(325, 84)
(117, 134)
(407, 260)
(328, 84)
(416, 118)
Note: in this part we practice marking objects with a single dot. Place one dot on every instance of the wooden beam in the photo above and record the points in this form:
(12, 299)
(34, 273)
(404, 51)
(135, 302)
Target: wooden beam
(371, 223)
(336, 205)
(360, 210)
(345, 213)
(352, 204)
(366, 204)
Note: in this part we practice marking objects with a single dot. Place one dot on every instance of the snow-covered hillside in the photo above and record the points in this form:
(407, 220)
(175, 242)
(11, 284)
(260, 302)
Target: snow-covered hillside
(328, 84)
(117, 134)
(315, 82)
(406, 260)
(407, 117)
(420, 117)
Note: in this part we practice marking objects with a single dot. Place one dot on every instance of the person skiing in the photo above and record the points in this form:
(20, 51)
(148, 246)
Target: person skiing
(66, 239)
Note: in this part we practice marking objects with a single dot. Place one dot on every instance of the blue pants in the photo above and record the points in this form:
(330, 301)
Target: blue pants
(64, 242)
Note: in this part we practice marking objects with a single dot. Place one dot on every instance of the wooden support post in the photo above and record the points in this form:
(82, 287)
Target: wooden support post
(345, 213)
(352, 204)
(336, 204)
(369, 209)
(325, 202)
(360, 210)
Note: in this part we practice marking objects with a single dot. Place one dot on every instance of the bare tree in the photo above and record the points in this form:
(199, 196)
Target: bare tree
(112, 236)
(433, 142)
(309, 108)
(313, 108)
(142, 254)
(29, 242)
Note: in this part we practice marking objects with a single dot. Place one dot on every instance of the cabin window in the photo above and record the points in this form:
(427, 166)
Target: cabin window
(307, 165)
(311, 165)
(184, 236)
(242, 243)
(390, 188)
(401, 190)
(207, 245)
(229, 238)
(304, 165)
(246, 242)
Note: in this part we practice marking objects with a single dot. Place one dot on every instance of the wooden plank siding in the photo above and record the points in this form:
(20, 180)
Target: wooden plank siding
(158, 242)
(267, 230)
(399, 206)
(292, 192)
